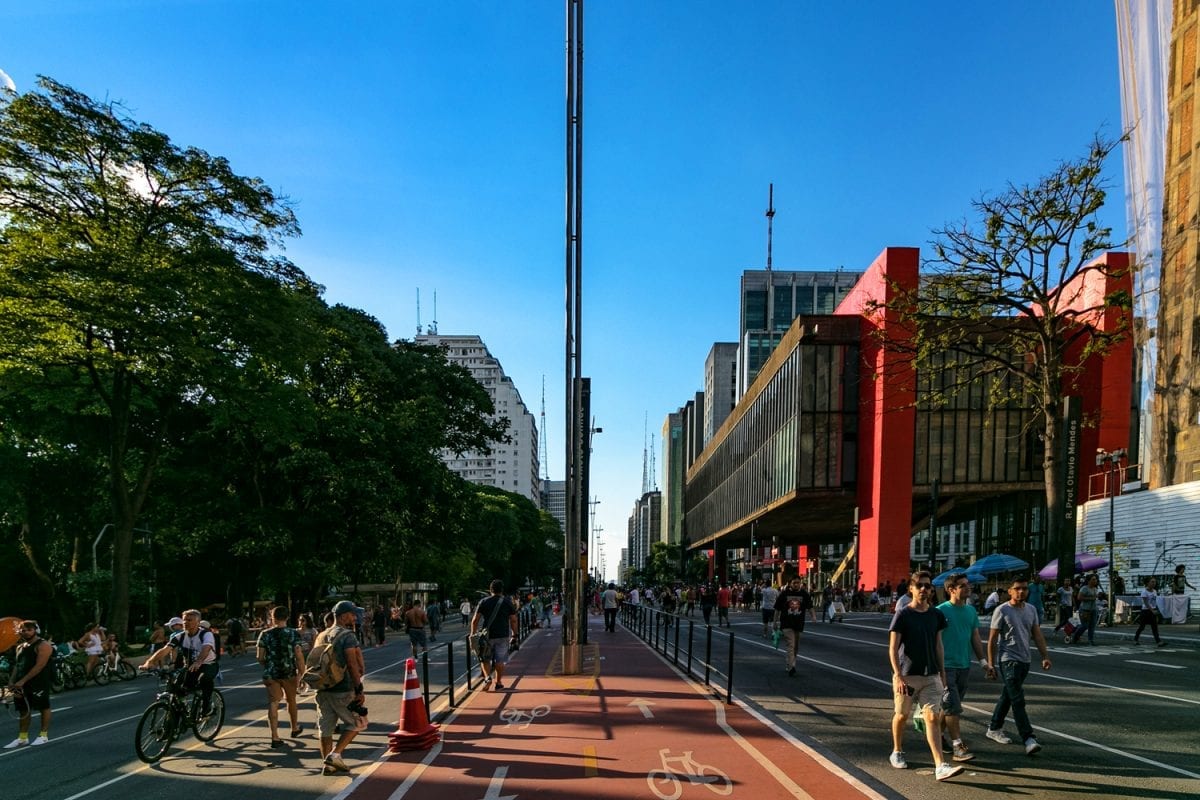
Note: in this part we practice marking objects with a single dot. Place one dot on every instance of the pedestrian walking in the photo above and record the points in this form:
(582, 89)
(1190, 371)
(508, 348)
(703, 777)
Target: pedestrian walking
(1147, 616)
(416, 620)
(960, 640)
(769, 595)
(464, 609)
(1064, 604)
(1088, 595)
(434, 612)
(280, 653)
(609, 599)
(790, 607)
(1014, 626)
(918, 673)
(498, 616)
(340, 705)
(724, 598)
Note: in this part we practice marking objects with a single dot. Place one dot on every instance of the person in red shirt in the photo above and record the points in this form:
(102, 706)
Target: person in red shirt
(723, 599)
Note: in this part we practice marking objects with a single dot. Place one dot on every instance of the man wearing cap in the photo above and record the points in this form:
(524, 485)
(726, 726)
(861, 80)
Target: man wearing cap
(334, 703)
(498, 616)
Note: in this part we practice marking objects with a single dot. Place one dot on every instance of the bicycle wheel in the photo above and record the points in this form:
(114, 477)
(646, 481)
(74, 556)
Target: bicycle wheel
(207, 727)
(58, 679)
(154, 732)
(125, 671)
(76, 675)
(101, 675)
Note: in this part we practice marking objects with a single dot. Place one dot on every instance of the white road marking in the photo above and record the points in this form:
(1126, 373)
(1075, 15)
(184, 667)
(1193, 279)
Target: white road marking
(1052, 731)
(1153, 664)
(644, 707)
(111, 697)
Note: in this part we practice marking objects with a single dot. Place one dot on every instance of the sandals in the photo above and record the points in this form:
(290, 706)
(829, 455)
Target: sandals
(297, 731)
(276, 744)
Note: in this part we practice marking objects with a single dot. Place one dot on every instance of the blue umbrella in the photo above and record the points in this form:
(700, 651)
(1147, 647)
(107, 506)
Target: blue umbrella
(972, 575)
(997, 563)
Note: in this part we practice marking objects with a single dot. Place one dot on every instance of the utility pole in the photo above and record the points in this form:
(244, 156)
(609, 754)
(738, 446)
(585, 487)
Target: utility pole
(578, 388)
(1111, 459)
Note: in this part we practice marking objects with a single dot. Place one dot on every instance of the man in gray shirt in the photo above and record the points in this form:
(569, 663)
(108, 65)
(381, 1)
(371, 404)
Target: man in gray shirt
(1013, 625)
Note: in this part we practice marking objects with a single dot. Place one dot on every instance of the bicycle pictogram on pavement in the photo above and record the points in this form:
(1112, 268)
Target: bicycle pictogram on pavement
(666, 784)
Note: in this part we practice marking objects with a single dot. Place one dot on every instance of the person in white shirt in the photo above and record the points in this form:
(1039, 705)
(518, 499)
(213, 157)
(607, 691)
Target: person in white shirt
(1147, 615)
(608, 598)
(195, 649)
(769, 595)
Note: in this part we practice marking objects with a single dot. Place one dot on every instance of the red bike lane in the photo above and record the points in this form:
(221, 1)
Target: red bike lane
(630, 726)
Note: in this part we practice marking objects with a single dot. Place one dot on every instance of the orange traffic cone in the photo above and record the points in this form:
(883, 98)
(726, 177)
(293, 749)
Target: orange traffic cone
(414, 731)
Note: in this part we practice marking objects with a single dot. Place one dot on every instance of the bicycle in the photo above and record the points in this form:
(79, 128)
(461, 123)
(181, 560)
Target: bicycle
(112, 666)
(172, 713)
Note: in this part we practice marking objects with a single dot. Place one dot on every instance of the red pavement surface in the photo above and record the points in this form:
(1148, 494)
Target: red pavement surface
(629, 727)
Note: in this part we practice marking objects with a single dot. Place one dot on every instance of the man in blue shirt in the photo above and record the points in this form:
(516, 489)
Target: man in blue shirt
(959, 640)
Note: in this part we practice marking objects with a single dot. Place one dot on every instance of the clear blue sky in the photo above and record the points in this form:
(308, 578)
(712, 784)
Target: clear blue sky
(423, 145)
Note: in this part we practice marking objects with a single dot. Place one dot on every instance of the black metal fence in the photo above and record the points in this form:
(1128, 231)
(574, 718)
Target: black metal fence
(675, 637)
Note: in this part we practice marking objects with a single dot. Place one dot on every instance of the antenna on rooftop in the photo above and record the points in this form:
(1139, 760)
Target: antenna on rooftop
(545, 454)
(433, 325)
(418, 311)
(770, 221)
(645, 453)
(653, 469)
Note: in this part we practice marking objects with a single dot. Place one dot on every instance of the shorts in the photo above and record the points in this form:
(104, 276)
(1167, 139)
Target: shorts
(499, 651)
(417, 637)
(768, 616)
(32, 699)
(956, 690)
(334, 707)
(927, 690)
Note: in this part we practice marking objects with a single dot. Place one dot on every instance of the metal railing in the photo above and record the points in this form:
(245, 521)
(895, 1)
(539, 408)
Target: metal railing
(662, 631)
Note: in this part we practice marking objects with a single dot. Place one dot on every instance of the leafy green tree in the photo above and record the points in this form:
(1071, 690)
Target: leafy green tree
(991, 310)
(130, 262)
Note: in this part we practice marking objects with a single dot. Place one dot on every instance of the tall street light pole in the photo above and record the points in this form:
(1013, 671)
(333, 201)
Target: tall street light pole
(578, 389)
(1112, 461)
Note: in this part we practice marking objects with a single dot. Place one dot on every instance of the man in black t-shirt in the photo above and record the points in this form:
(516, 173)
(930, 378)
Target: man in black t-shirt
(790, 607)
(31, 680)
(499, 616)
(919, 673)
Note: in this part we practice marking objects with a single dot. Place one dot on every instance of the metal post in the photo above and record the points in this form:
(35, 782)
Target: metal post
(729, 674)
(707, 652)
(691, 626)
(450, 673)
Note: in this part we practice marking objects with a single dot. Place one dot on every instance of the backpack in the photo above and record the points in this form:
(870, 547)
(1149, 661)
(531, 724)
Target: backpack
(321, 668)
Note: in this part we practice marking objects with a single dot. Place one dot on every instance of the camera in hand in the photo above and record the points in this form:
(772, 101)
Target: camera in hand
(357, 708)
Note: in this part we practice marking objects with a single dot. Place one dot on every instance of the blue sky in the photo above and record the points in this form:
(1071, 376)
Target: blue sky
(422, 143)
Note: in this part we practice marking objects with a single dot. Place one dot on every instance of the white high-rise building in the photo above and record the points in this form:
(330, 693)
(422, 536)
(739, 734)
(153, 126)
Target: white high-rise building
(513, 465)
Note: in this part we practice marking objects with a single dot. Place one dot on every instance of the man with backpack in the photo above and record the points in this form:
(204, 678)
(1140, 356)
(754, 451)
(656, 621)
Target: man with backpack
(335, 669)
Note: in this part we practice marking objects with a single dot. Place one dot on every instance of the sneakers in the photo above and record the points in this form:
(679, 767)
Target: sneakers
(334, 764)
(946, 748)
(498, 686)
(15, 743)
(40, 740)
(897, 760)
(1031, 746)
(998, 736)
(962, 753)
(791, 672)
(1162, 643)
(946, 770)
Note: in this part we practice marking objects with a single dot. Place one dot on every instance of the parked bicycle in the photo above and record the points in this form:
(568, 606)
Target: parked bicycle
(175, 709)
(113, 666)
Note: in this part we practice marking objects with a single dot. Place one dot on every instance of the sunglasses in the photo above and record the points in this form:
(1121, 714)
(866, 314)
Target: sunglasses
(924, 585)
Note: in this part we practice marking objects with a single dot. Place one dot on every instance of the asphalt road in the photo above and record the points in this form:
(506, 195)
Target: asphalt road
(91, 750)
(1116, 720)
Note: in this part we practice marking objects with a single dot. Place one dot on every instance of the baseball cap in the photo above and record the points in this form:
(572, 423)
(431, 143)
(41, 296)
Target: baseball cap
(344, 606)
(205, 624)
(174, 621)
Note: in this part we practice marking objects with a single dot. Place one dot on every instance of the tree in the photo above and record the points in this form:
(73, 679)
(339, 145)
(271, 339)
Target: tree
(130, 262)
(1000, 308)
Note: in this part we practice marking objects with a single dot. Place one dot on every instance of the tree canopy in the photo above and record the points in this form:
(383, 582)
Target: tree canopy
(169, 379)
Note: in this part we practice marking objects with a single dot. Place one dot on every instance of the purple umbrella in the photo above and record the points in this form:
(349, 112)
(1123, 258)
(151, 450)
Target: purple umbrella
(1084, 562)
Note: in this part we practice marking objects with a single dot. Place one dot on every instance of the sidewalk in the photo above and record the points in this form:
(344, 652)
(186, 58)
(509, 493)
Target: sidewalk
(630, 726)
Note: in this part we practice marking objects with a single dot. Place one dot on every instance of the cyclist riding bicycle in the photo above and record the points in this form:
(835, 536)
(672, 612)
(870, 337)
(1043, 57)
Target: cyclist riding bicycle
(194, 648)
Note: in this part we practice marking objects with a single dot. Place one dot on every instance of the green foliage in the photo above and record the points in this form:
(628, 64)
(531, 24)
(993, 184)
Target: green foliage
(164, 367)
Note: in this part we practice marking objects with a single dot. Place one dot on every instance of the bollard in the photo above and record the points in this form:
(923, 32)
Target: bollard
(675, 658)
(707, 653)
(729, 684)
(450, 672)
(691, 625)
(425, 676)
